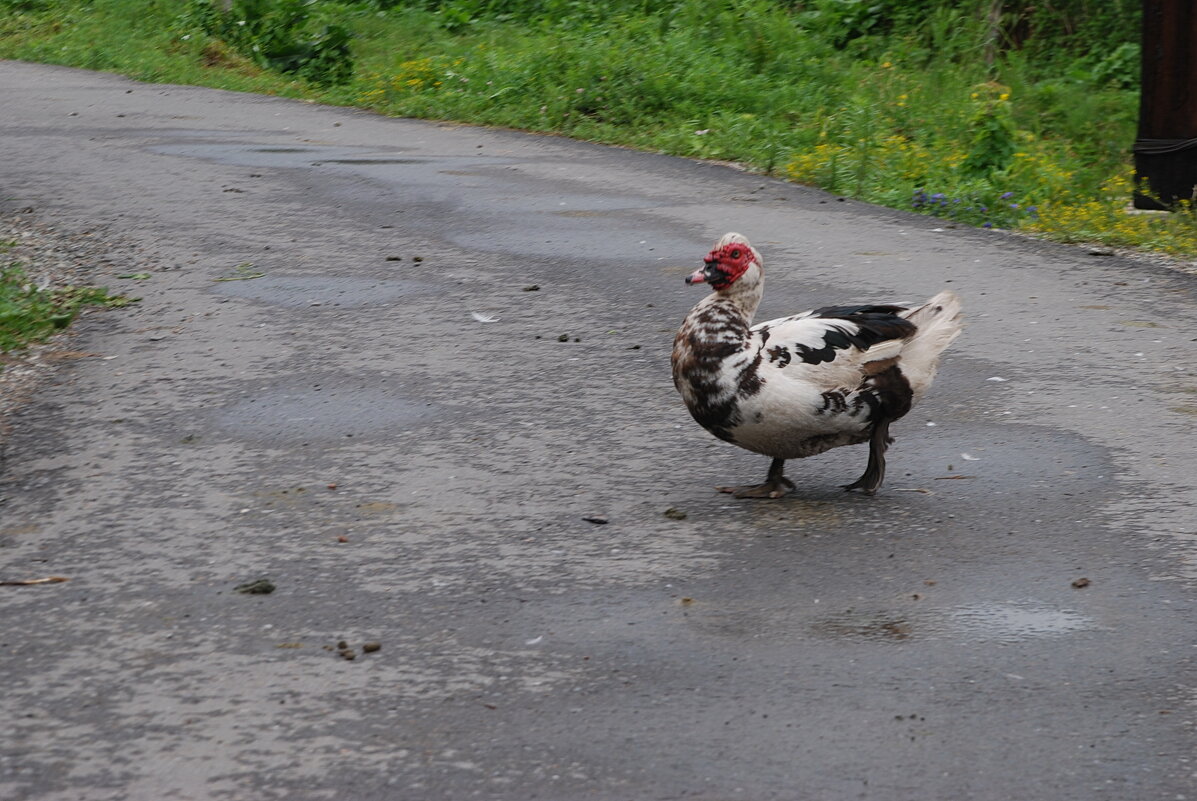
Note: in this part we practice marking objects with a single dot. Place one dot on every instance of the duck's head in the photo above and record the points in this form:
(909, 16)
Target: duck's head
(732, 259)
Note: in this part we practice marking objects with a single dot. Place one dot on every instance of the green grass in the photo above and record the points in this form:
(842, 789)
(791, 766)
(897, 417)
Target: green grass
(133, 38)
(911, 105)
(29, 313)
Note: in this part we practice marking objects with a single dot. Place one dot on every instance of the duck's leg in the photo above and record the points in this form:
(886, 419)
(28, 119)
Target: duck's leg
(874, 472)
(775, 484)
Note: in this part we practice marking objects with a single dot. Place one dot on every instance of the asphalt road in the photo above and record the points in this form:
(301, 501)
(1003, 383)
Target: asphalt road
(926, 643)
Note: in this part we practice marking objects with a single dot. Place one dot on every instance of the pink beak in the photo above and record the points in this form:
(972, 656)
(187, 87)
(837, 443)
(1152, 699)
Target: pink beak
(696, 277)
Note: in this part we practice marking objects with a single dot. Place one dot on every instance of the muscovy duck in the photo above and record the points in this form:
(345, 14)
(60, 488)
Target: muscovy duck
(800, 385)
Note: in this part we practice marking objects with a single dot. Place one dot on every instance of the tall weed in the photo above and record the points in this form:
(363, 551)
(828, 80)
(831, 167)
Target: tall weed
(297, 37)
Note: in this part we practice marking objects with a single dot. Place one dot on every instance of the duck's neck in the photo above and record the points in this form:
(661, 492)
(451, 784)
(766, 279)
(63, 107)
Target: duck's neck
(739, 300)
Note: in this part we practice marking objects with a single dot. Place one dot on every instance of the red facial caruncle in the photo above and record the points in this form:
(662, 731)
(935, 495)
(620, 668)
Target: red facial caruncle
(723, 266)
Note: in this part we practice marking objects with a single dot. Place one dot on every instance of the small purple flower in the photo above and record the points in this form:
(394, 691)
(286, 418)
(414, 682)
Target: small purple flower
(984, 209)
(1007, 196)
(987, 225)
(1013, 205)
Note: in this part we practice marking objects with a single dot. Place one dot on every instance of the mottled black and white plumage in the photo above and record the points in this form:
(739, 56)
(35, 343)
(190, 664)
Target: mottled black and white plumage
(801, 385)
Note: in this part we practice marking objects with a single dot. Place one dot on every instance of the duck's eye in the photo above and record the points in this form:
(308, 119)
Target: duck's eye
(735, 254)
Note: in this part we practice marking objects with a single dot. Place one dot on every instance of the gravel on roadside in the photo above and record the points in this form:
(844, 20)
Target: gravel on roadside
(52, 258)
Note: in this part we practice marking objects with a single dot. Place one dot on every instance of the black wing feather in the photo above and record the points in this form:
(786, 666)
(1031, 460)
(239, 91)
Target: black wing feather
(871, 324)
(848, 312)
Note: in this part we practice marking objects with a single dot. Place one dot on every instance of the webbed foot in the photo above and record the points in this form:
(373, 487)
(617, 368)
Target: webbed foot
(775, 486)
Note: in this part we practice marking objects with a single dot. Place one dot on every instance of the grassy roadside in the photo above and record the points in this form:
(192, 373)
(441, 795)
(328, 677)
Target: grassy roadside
(920, 112)
(32, 308)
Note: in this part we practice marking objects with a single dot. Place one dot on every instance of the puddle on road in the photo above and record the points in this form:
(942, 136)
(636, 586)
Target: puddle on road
(982, 622)
(317, 155)
(373, 161)
(248, 155)
(1013, 622)
(321, 413)
(321, 290)
(484, 203)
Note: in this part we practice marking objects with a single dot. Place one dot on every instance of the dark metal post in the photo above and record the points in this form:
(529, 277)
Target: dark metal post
(1166, 150)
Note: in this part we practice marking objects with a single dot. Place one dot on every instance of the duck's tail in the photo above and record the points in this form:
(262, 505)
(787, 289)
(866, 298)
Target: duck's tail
(938, 324)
